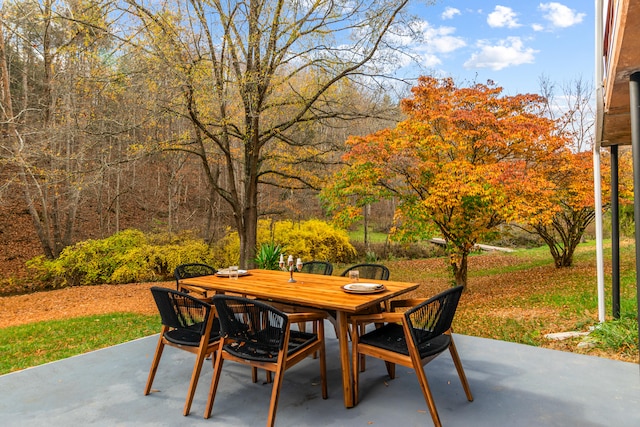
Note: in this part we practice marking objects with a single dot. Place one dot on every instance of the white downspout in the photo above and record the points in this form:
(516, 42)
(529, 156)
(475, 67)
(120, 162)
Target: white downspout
(597, 183)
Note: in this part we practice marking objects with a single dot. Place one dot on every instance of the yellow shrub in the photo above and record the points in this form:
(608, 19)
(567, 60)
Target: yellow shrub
(310, 240)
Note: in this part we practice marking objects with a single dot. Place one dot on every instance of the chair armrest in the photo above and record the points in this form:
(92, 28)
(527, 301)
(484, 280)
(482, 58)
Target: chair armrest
(305, 317)
(192, 288)
(377, 318)
(406, 302)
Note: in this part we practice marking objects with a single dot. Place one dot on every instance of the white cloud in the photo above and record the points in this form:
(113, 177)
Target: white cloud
(450, 12)
(537, 27)
(442, 39)
(502, 16)
(420, 44)
(434, 42)
(429, 60)
(506, 53)
(560, 15)
(416, 32)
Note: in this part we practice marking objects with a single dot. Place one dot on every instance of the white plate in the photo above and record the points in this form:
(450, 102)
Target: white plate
(363, 288)
(225, 272)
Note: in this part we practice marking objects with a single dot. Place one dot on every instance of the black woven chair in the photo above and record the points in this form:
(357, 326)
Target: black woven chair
(412, 339)
(373, 272)
(318, 267)
(187, 271)
(315, 267)
(369, 271)
(257, 334)
(188, 323)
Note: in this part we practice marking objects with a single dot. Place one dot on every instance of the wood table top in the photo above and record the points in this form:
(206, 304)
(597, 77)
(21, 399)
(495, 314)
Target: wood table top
(313, 290)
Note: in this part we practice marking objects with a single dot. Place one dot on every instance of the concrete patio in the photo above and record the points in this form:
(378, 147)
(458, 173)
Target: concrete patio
(513, 385)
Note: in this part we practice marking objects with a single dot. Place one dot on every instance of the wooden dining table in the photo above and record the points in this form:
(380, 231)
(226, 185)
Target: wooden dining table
(309, 290)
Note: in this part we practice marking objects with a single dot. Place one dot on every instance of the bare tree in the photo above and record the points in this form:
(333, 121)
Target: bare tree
(572, 109)
(57, 63)
(257, 79)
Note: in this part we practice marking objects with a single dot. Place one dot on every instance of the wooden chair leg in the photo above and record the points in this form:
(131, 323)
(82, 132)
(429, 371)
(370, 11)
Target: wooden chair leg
(319, 327)
(428, 397)
(458, 364)
(217, 370)
(154, 364)
(275, 395)
(315, 332)
(333, 321)
(363, 330)
(254, 375)
(363, 358)
(197, 368)
(302, 326)
(391, 369)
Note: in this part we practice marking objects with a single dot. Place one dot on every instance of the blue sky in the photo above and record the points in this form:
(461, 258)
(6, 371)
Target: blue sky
(512, 43)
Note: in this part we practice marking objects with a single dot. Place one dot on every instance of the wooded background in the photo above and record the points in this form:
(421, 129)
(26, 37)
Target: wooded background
(199, 115)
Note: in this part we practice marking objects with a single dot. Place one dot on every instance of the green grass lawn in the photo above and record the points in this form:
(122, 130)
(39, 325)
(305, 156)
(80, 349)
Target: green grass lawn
(374, 236)
(37, 343)
(523, 297)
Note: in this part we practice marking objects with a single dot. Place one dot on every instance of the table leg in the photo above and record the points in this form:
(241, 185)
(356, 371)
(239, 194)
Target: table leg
(343, 341)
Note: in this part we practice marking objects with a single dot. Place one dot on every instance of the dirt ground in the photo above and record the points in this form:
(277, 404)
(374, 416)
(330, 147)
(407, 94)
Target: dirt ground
(76, 302)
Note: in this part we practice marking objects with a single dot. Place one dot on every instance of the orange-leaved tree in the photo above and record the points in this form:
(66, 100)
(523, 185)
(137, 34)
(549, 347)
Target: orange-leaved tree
(463, 162)
(572, 175)
(573, 199)
(571, 171)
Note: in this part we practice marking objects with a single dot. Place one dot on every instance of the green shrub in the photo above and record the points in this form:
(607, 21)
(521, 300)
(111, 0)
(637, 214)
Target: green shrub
(512, 236)
(394, 250)
(619, 335)
(16, 286)
(370, 257)
(125, 257)
(268, 256)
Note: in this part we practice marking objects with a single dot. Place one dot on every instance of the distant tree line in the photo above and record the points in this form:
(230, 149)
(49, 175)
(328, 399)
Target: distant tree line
(183, 114)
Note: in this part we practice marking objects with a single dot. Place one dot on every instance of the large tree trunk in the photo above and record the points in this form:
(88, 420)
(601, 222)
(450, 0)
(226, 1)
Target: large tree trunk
(247, 227)
(248, 241)
(565, 233)
(459, 264)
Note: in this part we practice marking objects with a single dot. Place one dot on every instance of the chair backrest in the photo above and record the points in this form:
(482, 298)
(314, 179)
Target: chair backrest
(186, 271)
(179, 310)
(318, 267)
(369, 271)
(258, 329)
(434, 316)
